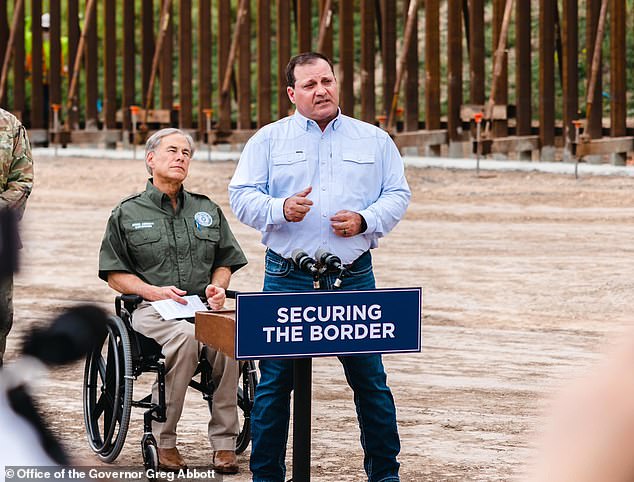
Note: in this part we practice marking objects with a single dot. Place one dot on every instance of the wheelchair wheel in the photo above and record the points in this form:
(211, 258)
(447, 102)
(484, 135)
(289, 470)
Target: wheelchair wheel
(246, 394)
(150, 454)
(108, 392)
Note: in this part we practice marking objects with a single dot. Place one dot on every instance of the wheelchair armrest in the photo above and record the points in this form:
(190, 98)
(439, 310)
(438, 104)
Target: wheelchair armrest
(129, 301)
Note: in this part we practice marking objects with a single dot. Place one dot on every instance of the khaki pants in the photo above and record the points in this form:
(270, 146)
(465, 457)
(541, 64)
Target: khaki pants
(6, 312)
(182, 352)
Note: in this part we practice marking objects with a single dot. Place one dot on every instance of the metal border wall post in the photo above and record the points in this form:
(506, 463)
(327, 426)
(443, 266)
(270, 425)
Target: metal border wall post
(134, 111)
(577, 123)
(56, 108)
(208, 113)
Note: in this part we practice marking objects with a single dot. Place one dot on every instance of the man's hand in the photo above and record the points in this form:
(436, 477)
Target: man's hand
(297, 206)
(158, 293)
(346, 223)
(215, 296)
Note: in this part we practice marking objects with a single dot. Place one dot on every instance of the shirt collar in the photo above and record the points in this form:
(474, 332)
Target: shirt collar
(161, 199)
(305, 122)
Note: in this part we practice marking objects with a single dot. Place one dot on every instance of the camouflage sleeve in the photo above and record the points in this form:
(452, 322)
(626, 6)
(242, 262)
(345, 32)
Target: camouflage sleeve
(19, 180)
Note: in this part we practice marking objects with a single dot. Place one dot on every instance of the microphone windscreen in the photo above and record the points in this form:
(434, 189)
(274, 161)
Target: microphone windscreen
(321, 255)
(297, 254)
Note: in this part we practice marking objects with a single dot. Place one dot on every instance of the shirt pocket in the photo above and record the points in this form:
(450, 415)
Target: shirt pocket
(206, 243)
(357, 176)
(148, 247)
(289, 173)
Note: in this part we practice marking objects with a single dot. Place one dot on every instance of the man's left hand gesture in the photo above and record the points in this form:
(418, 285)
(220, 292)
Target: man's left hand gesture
(346, 223)
(215, 296)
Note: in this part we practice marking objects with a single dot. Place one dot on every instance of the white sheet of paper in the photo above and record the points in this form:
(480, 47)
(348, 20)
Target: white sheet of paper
(171, 310)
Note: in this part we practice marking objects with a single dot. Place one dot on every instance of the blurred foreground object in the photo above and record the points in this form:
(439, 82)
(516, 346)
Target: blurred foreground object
(590, 437)
(9, 243)
(25, 438)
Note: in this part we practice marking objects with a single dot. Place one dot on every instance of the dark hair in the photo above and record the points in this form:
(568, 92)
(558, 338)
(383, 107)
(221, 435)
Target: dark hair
(303, 59)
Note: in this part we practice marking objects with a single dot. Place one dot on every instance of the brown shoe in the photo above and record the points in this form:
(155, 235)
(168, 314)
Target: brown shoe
(170, 459)
(225, 462)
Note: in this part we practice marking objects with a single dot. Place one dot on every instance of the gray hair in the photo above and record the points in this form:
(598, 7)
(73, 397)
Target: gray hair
(155, 140)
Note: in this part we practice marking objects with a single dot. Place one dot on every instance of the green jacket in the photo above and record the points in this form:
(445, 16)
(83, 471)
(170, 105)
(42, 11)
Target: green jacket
(146, 238)
(16, 163)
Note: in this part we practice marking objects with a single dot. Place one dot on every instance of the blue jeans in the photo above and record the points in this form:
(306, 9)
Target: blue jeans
(365, 374)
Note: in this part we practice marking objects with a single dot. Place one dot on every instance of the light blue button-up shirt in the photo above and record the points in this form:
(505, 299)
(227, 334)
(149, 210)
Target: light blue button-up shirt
(351, 165)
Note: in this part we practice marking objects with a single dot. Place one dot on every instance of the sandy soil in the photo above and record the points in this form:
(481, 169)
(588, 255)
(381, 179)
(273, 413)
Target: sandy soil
(526, 279)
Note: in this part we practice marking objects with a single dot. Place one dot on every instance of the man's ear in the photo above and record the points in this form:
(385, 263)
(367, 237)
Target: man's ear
(291, 94)
(149, 160)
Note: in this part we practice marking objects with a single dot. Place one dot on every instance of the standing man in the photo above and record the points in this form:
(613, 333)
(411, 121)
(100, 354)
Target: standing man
(16, 182)
(165, 243)
(320, 179)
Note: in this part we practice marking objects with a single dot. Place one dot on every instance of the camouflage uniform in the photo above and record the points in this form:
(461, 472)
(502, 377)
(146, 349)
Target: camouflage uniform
(16, 181)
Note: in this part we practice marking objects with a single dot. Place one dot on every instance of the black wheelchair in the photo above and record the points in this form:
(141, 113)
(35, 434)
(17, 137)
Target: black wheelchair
(110, 371)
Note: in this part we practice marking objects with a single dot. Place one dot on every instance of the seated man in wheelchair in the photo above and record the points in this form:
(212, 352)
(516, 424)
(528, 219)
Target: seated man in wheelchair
(164, 243)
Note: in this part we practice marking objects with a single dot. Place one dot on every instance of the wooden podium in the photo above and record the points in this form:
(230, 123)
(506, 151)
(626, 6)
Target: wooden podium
(217, 329)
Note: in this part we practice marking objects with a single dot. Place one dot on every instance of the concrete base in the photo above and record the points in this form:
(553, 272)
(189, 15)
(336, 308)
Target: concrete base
(525, 156)
(409, 151)
(567, 156)
(455, 150)
(594, 159)
(38, 137)
(548, 154)
(618, 158)
(432, 151)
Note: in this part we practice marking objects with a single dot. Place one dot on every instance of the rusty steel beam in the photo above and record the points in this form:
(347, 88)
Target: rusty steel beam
(618, 85)
(432, 64)
(411, 76)
(37, 78)
(244, 67)
(17, 13)
(368, 51)
(71, 103)
(185, 71)
(163, 26)
(476, 51)
(204, 63)
(166, 75)
(325, 28)
(224, 45)
(388, 49)
(283, 54)
(546, 73)
(91, 63)
(346, 53)
(110, 64)
(147, 42)
(304, 20)
(454, 70)
(595, 27)
(523, 95)
(264, 91)
(499, 86)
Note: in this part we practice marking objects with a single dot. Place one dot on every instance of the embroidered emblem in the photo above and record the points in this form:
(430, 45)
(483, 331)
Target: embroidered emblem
(143, 225)
(203, 219)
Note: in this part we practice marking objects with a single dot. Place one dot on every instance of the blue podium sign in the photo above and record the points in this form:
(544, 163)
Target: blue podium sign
(323, 323)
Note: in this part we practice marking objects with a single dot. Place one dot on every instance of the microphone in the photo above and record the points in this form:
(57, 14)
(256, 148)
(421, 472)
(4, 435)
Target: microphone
(333, 262)
(307, 264)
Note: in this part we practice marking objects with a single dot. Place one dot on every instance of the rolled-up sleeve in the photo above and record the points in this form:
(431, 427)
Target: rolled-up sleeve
(249, 188)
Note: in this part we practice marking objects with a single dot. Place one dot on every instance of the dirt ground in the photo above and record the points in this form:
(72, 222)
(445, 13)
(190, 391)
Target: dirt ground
(526, 279)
